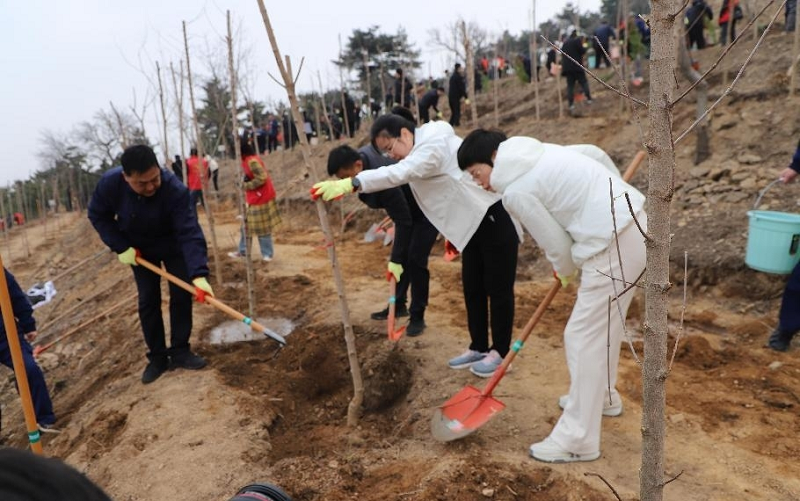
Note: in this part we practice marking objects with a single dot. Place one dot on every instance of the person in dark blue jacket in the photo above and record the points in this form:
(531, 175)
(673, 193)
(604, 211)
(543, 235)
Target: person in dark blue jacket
(414, 235)
(789, 316)
(604, 33)
(26, 330)
(140, 209)
(430, 100)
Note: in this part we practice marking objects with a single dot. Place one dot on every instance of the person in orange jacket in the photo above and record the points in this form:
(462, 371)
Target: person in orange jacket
(197, 174)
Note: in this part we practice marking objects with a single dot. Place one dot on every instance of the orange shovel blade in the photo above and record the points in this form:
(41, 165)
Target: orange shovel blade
(465, 412)
(396, 335)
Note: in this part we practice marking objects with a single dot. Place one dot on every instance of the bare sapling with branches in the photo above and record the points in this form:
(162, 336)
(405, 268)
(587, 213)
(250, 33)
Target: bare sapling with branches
(163, 114)
(471, 73)
(345, 115)
(201, 159)
(354, 408)
(245, 235)
(181, 128)
(534, 60)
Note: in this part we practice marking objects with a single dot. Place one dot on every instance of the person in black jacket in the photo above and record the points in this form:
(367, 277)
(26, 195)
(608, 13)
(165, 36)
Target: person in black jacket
(430, 100)
(695, 22)
(414, 235)
(26, 331)
(402, 89)
(177, 168)
(573, 70)
(457, 90)
(140, 209)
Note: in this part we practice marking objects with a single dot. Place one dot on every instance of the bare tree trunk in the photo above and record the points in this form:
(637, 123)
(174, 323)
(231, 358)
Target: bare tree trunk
(24, 229)
(354, 409)
(383, 86)
(345, 117)
(181, 129)
(73, 193)
(496, 92)
(43, 198)
(245, 233)
(325, 106)
(702, 149)
(534, 60)
(471, 75)
(660, 193)
(6, 228)
(163, 115)
(795, 51)
(201, 155)
(122, 134)
(369, 85)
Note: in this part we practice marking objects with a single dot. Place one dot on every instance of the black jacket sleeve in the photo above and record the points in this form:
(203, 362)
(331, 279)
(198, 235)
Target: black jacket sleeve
(189, 234)
(102, 214)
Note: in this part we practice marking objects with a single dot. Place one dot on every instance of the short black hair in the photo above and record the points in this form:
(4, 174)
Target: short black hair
(193, 151)
(390, 125)
(458, 65)
(24, 475)
(246, 144)
(403, 112)
(478, 147)
(341, 157)
(138, 158)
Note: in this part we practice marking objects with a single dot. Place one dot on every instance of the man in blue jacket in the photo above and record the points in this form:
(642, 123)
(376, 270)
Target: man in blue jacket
(26, 329)
(789, 316)
(140, 209)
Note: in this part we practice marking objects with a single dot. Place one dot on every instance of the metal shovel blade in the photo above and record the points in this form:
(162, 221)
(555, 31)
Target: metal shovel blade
(389, 237)
(372, 233)
(465, 412)
(275, 336)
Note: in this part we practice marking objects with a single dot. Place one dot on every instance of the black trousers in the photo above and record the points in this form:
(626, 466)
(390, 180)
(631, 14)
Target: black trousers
(790, 306)
(180, 308)
(488, 272)
(581, 79)
(455, 112)
(415, 269)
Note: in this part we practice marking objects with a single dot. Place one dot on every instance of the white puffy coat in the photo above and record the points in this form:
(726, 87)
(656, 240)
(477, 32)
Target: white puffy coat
(448, 197)
(561, 195)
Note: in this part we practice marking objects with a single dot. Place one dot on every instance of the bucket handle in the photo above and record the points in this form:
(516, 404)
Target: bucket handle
(794, 245)
(762, 192)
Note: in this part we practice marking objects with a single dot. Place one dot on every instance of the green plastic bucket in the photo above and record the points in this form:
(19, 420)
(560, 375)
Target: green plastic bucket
(773, 241)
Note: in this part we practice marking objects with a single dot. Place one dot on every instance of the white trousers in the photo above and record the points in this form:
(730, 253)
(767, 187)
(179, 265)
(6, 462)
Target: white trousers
(591, 361)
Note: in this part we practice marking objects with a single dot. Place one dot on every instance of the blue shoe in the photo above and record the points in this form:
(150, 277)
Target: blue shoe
(466, 359)
(487, 366)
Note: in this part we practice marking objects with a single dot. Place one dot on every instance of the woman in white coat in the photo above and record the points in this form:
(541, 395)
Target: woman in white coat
(561, 196)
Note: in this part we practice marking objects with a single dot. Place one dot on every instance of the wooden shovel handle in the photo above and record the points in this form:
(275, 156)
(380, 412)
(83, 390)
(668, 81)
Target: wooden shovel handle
(216, 303)
(634, 165)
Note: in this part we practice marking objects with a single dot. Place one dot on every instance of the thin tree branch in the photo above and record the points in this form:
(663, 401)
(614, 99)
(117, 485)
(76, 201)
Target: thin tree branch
(616, 234)
(735, 80)
(683, 310)
(612, 89)
(616, 494)
(276, 80)
(617, 295)
(624, 84)
(630, 208)
(635, 283)
(721, 56)
(685, 3)
(627, 284)
(676, 477)
(299, 69)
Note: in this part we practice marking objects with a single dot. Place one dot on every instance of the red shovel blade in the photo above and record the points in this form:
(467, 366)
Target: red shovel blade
(465, 412)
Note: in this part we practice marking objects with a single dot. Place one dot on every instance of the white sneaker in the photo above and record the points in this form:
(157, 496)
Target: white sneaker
(487, 366)
(234, 255)
(549, 452)
(612, 410)
(266, 259)
(466, 359)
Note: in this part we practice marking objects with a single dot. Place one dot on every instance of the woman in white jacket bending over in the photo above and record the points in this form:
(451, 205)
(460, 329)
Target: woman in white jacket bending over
(561, 196)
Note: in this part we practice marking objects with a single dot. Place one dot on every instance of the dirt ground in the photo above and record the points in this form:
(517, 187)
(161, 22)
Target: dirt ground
(733, 408)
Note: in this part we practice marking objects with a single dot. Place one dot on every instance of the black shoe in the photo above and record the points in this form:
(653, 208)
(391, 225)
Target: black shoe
(154, 370)
(188, 360)
(399, 311)
(415, 327)
(780, 340)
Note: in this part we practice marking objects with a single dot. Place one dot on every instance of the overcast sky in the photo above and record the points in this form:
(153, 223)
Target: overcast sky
(63, 61)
